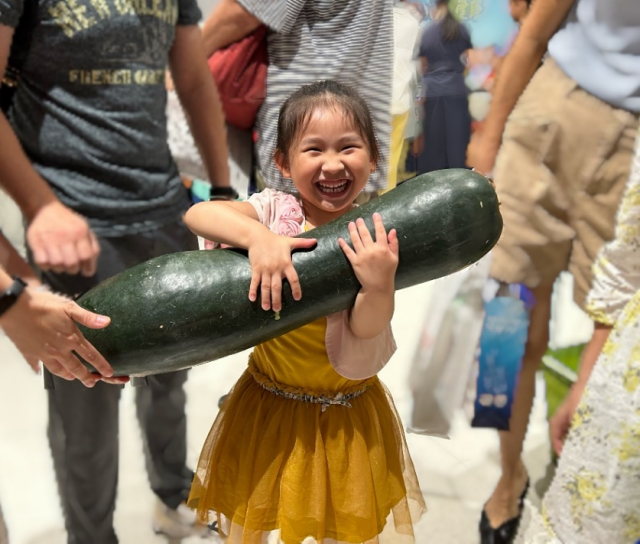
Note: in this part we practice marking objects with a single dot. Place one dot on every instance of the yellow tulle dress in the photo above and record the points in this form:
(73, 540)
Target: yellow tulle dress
(299, 454)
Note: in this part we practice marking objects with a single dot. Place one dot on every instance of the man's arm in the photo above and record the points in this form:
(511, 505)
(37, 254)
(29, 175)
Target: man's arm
(519, 65)
(59, 238)
(11, 261)
(201, 102)
(228, 23)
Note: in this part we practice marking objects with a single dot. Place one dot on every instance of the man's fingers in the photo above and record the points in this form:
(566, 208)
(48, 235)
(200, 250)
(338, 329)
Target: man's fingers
(34, 363)
(57, 369)
(76, 368)
(86, 256)
(39, 255)
(90, 354)
(85, 317)
(70, 259)
(115, 380)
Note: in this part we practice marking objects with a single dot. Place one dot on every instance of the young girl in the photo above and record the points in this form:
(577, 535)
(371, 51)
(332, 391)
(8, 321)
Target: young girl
(308, 447)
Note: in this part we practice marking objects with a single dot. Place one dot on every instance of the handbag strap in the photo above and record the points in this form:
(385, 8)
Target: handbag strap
(22, 40)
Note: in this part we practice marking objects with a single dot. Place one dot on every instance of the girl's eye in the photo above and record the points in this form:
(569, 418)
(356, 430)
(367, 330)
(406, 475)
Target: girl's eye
(312, 149)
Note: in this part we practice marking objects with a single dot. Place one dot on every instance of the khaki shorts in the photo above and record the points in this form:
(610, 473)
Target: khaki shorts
(560, 174)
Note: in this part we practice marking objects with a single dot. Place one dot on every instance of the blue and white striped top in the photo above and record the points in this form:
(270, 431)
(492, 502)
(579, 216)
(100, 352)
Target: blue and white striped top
(350, 41)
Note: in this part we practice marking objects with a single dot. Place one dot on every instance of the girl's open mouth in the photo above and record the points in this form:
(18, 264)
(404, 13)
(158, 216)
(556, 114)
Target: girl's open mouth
(334, 188)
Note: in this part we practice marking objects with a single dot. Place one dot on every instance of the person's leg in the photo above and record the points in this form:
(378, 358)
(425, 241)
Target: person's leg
(160, 406)
(83, 435)
(433, 155)
(560, 175)
(457, 130)
(398, 124)
(503, 503)
(83, 423)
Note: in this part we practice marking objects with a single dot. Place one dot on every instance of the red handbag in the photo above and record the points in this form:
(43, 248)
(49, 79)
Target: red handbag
(240, 73)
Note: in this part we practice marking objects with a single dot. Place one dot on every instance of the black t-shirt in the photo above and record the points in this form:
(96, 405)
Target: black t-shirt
(90, 108)
(445, 70)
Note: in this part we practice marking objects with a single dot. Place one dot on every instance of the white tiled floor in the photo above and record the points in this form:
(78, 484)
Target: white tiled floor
(456, 475)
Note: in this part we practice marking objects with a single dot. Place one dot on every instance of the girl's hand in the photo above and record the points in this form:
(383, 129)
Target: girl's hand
(374, 262)
(270, 258)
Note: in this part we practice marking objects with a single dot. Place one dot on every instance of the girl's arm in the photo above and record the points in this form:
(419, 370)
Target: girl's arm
(199, 98)
(375, 264)
(236, 224)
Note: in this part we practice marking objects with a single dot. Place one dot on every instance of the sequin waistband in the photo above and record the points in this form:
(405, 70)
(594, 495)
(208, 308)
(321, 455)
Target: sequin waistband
(324, 398)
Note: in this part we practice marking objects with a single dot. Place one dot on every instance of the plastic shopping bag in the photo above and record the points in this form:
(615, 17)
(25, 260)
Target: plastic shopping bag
(445, 356)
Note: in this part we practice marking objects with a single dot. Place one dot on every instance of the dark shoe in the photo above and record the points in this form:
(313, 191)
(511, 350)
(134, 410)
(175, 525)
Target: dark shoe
(506, 533)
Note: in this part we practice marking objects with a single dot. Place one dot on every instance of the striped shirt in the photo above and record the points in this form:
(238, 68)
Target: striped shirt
(350, 41)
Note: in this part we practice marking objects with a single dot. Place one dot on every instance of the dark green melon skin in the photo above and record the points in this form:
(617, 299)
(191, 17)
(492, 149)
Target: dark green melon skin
(183, 309)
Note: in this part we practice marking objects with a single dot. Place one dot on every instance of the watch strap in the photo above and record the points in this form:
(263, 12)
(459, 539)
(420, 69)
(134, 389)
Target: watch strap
(223, 193)
(10, 296)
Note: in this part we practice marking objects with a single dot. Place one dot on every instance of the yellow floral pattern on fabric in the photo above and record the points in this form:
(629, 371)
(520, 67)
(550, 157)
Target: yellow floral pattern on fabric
(595, 495)
(585, 490)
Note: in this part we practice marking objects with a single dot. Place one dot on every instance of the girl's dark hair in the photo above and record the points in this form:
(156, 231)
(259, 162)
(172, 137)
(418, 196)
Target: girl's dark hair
(451, 28)
(297, 110)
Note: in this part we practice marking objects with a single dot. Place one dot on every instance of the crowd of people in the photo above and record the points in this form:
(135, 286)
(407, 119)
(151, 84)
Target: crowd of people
(308, 447)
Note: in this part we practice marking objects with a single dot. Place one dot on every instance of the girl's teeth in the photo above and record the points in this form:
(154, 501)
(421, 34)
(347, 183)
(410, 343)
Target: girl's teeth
(333, 188)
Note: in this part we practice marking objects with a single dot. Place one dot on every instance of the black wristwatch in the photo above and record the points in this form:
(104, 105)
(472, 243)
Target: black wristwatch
(10, 296)
(223, 193)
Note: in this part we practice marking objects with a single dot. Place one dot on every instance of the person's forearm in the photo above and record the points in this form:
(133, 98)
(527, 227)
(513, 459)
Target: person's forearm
(220, 222)
(592, 352)
(201, 103)
(372, 312)
(204, 113)
(521, 63)
(228, 23)
(14, 265)
(19, 179)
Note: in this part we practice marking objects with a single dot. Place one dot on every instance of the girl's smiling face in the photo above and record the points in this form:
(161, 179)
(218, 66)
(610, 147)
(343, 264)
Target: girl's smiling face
(330, 162)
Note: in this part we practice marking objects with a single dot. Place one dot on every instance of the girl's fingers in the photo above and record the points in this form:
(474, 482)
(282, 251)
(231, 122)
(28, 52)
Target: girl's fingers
(392, 239)
(253, 287)
(266, 291)
(365, 235)
(356, 241)
(346, 248)
(381, 233)
(276, 293)
(302, 243)
(292, 277)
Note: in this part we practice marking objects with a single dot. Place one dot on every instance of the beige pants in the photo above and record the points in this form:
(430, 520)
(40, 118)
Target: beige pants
(564, 162)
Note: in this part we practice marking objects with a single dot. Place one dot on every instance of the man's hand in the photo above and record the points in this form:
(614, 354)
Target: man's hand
(481, 154)
(62, 241)
(43, 327)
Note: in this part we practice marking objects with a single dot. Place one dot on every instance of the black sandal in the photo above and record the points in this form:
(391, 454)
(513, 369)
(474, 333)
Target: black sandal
(506, 533)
